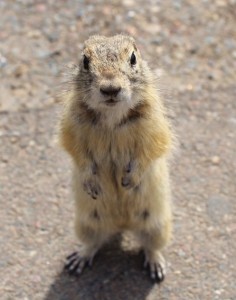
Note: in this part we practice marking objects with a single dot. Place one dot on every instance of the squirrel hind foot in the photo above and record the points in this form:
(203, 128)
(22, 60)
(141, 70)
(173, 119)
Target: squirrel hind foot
(75, 264)
(157, 268)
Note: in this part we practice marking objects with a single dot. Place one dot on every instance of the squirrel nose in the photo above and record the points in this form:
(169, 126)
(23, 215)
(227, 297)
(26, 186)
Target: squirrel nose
(110, 90)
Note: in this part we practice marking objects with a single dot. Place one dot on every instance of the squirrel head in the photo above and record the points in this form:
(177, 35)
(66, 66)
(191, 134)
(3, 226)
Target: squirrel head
(111, 74)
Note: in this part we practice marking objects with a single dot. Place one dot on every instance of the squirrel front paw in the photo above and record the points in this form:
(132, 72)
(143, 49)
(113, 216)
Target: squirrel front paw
(92, 187)
(130, 177)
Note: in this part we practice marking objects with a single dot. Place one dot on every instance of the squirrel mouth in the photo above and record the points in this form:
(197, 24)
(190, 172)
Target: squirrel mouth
(111, 102)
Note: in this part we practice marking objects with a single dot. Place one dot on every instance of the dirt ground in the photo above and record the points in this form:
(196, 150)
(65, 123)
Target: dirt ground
(191, 45)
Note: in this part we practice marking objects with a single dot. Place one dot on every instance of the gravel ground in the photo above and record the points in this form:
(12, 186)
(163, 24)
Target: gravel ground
(191, 45)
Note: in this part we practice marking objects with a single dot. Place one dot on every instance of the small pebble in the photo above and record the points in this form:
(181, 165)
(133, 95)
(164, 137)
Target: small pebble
(3, 61)
(4, 159)
(13, 140)
(34, 34)
(131, 14)
(215, 160)
(32, 143)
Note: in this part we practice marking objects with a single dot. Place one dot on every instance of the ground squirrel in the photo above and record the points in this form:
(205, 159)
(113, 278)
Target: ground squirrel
(115, 128)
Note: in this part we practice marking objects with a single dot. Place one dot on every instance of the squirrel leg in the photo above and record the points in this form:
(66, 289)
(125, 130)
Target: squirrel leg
(90, 240)
(132, 174)
(90, 180)
(153, 241)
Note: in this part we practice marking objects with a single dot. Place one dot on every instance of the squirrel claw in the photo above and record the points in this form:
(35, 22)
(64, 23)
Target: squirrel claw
(75, 263)
(92, 188)
(125, 181)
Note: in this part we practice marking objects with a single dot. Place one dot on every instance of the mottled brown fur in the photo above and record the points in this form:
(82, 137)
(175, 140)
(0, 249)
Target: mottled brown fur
(128, 142)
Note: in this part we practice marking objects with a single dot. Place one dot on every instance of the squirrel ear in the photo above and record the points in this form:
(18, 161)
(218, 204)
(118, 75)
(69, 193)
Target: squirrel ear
(135, 47)
(133, 42)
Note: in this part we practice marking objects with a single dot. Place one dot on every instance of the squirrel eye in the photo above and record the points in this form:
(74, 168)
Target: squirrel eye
(86, 62)
(133, 59)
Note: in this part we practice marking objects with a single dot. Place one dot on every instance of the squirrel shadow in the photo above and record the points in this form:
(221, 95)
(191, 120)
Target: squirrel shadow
(115, 274)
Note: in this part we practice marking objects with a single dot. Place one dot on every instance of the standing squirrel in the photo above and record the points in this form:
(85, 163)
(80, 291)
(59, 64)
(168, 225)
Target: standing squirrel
(115, 128)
